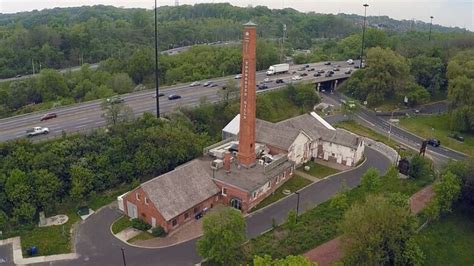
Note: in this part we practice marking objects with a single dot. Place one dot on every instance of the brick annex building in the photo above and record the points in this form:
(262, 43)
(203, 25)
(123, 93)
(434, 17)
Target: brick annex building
(254, 159)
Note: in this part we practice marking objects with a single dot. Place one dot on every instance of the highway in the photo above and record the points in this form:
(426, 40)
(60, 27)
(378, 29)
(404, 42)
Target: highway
(86, 116)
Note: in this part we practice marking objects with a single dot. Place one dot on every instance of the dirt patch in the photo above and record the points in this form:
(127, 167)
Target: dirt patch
(326, 253)
(420, 199)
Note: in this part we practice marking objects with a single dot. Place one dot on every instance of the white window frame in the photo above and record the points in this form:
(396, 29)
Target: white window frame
(137, 196)
(146, 201)
(222, 191)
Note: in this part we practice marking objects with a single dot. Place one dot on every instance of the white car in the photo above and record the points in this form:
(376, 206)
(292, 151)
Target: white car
(266, 80)
(296, 77)
(350, 62)
(194, 84)
(238, 76)
(37, 131)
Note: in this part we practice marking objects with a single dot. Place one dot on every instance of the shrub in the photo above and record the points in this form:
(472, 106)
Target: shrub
(158, 231)
(140, 224)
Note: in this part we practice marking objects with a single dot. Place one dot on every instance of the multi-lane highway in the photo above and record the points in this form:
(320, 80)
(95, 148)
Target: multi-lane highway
(88, 115)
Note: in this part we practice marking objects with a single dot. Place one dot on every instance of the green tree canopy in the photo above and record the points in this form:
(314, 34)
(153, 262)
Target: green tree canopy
(224, 233)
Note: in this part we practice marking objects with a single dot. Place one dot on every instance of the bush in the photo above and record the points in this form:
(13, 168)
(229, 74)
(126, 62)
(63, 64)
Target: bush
(419, 167)
(140, 224)
(158, 231)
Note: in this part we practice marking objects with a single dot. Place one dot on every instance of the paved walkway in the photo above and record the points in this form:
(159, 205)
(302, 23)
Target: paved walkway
(188, 231)
(331, 251)
(307, 176)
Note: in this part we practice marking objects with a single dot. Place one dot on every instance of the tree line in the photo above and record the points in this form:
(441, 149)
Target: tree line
(64, 37)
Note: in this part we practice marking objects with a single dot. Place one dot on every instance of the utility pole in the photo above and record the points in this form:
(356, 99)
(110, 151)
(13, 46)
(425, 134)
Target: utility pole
(431, 24)
(33, 64)
(156, 65)
(363, 35)
(282, 44)
(123, 257)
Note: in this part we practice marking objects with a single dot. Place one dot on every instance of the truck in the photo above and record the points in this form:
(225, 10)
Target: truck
(37, 131)
(278, 69)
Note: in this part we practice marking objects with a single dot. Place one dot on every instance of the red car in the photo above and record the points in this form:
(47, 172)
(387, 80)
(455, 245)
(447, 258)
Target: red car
(48, 116)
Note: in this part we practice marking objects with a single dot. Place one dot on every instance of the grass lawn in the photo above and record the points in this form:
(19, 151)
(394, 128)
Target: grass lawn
(121, 224)
(293, 184)
(320, 224)
(142, 236)
(49, 240)
(318, 170)
(449, 241)
(369, 133)
(57, 239)
(437, 126)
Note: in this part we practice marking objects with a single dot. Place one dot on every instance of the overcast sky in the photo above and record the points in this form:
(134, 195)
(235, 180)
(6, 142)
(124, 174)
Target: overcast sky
(446, 12)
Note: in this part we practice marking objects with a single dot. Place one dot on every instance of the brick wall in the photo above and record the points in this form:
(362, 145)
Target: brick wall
(147, 211)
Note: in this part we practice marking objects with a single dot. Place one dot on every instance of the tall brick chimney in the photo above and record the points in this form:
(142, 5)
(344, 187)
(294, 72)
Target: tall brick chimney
(246, 155)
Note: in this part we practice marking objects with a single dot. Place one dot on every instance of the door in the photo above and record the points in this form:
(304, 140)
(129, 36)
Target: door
(349, 161)
(236, 203)
(132, 210)
(339, 158)
(153, 222)
(326, 155)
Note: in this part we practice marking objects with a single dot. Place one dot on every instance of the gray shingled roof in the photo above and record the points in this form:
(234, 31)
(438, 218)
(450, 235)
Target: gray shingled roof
(179, 190)
(275, 135)
(316, 130)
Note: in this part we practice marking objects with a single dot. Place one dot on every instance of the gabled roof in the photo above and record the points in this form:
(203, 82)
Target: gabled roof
(181, 189)
(275, 135)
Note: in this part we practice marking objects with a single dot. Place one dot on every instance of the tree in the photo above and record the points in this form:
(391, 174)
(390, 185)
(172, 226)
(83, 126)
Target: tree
(379, 231)
(447, 190)
(419, 167)
(47, 187)
(416, 94)
(121, 83)
(306, 96)
(115, 113)
(428, 72)
(224, 233)
(82, 182)
(461, 100)
(289, 260)
(371, 181)
(230, 92)
(140, 65)
(51, 85)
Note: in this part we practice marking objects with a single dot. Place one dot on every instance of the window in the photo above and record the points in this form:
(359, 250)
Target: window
(224, 191)
(146, 200)
(254, 195)
(137, 195)
(174, 222)
(269, 184)
(186, 216)
(278, 179)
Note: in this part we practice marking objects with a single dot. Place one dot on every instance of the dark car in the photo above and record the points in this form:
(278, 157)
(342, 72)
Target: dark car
(304, 74)
(306, 66)
(115, 100)
(317, 74)
(207, 83)
(434, 142)
(213, 85)
(321, 71)
(159, 95)
(174, 97)
(327, 63)
(335, 69)
(48, 116)
(329, 74)
(456, 136)
(279, 81)
(262, 87)
(18, 76)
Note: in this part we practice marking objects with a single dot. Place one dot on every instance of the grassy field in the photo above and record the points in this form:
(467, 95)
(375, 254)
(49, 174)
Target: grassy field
(437, 126)
(449, 241)
(49, 240)
(141, 236)
(57, 239)
(320, 224)
(293, 184)
(318, 170)
(121, 224)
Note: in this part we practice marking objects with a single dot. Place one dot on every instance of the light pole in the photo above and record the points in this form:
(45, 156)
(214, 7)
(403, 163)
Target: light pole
(363, 35)
(123, 257)
(297, 205)
(156, 65)
(431, 24)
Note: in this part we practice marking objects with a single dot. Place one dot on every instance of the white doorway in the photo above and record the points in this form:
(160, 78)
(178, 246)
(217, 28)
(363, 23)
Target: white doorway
(132, 210)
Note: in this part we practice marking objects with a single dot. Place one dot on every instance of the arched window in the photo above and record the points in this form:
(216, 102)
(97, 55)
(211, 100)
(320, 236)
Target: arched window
(236, 203)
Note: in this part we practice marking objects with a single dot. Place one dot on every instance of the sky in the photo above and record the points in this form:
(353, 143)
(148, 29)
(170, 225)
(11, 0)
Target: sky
(445, 12)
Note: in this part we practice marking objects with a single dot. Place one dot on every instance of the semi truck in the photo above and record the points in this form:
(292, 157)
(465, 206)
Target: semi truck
(277, 69)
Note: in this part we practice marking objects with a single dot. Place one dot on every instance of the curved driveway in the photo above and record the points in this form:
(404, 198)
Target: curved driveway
(97, 246)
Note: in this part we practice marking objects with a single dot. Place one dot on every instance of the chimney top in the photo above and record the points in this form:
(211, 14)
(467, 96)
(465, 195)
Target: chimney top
(250, 24)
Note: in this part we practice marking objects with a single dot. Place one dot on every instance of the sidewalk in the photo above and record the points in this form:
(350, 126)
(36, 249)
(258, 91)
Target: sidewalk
(307, 176)
(331, 251)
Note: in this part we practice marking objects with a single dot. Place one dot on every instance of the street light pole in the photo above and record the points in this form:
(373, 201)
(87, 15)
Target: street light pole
(123, 257)
(363, 35)
(297, 205)
(431, 24)
(156, 65)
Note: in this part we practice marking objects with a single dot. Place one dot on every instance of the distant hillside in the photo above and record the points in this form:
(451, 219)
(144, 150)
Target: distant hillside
(63, 37)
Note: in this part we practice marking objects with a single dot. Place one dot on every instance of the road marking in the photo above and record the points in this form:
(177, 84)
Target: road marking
(81, 126)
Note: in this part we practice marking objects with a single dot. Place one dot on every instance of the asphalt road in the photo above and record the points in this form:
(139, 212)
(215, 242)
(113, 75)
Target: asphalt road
(6, 255)
(439, 154)
(86, 116)
(96, 245)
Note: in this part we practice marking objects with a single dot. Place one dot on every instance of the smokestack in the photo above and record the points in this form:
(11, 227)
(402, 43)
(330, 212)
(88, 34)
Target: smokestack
(246, 155)
(227, 158)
